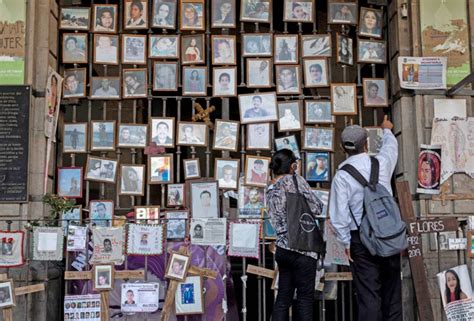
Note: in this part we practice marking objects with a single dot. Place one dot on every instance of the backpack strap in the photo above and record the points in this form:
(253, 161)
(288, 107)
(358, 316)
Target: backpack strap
(374, 173)
(295, 181)
(355, 174)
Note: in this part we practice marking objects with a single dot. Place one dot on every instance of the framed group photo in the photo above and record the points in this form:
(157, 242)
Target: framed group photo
(255, 11)
(101, 169)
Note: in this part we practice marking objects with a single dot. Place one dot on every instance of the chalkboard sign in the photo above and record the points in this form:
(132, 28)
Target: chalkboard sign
(14, 134)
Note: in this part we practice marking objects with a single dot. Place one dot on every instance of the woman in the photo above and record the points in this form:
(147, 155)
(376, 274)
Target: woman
(190, 17)
(296, 269)
(164, 16)
(298, 12)
(105, 22)
(136, 15)
(192, 53)
(223, 14)
(370, 24)
(130, 180)
(195, 82)
(453, 288)
(345, 52)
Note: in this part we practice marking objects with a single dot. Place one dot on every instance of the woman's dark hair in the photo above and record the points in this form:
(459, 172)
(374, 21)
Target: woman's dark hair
(457, 289)
(282, 161)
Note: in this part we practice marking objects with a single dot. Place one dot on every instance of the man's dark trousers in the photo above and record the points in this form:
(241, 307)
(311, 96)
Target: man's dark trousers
(378, 283)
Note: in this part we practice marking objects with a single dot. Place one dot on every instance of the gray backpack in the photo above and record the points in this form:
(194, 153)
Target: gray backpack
(381, 229)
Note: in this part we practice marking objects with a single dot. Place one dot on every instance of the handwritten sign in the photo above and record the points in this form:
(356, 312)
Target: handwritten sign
(433, 225)
(257, 270)
(338, 276)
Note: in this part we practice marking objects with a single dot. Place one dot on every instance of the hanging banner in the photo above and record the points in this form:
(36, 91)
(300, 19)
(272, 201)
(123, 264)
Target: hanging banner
(54, 87)
(445, 33)
(12, 42)
(422, 72)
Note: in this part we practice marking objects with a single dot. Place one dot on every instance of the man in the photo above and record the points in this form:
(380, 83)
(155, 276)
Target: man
(257, 110)
(72, 53)
(130, 298)
(226, 181)
(177, 267)
(198, 234)
(136, 15)
(257, 174)
(188, 135)
(133, 87)
(226, 138)
(254, 199)
(373, 97)
(74, 138)
(99, 215)
(224, 84)
(107, 246)
(72, 86)
(288, 80)
(376, 279)
(109, 171)
(105, 90)
(316, 74)
(162, 137)
(3, 296)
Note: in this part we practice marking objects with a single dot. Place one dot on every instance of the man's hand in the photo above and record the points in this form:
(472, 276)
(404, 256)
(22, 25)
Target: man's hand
(347, 251)
(386, 124)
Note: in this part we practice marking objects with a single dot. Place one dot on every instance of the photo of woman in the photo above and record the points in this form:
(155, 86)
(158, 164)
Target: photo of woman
(132, 180)
(345, 53)
(370, 22)
(192, 16)
(193, 53)
(194, 81)
(453, 287)
(136, 14)
(104, 18)
(164, 14)
(223, 14)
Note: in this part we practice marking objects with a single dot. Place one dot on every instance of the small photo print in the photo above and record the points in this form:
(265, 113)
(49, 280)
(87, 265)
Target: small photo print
(318, 138)
(70, 182)
(255, 11)
(74, 48)
(204, 198)
(288, 142)
(105, 88)
(258, 136)
(251, 201)
(7, 296)
(134, 83)
(223, 50)
(372, 51)
(132, 180)
(188, 297)
(192, 15)
(147, 214)
(175, 195)
(176, 224)
(192, 134)
(75, 138)
(178, 265)
(164, 14)
(162, 131)
(227, 173)
(106, 49)
(164, 46)
(313, 46)
(345, 51)
(160, 169)
(375, 92)
(136, 14)
(165, 76)
(259, 73)
(101, 169)
(105, 18)
(192, 168)
(342, 13)
(257, 45)
(286, 49)
(192, 49)
(257, 108)
(134, 49)
(315, 73)
(344, 100)
(103, 135)
(74, 83)
(318, 112)
(288, 79)
(103, 277)
(75, 18)
(317, 167)
(370, 24)
(256, 170)
(132, 135)
(194, 81)
(226, 135)
(290, 116)
(225, 84)
(101, 213)
(298, 10)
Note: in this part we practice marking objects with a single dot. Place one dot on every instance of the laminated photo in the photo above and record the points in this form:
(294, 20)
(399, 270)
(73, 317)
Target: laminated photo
(108, 245)
(140, 297)
(145, 239)
(208, 231)
(429, 169)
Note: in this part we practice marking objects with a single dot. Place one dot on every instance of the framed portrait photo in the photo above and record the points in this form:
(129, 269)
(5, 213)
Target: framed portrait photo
(288, 142)
(223, 14)
(224, 82)
(178, 265)
(227, 173)
(165, 76)
(101, 169)
(318, 112)
(290, 116)
(286, 49)
(258, 108)
(256, 11)
(132, 180)
(70, 182)
(204, 199)
(147, 214)
(189, 296)
(101, 213)
(134, 49)
(175, 195)
(298, 11)
(317, 167)
(374, 139)
(226, 135)
(370, 22)
(164, 14)
(259, 73)
(258, 136)
(224, 50)
(372, 51)
(313, 46)
(288, 79)
(103, 277)
(103, 135)
(74, 48)
(316, 73)
(135, 15)
(134, 83)
(164, 46)
(256, 170)
(375, 92)
(344, 13)
(105, 18)
(105, 88)
(75, 138)
(251, 200)
(192, 14)
(8, 294)
(193, 50)
(162, 131)
(132, 135)
(318, 138)
(192, 134)
(160, 169)
(257, 45)
(177, 224)
(75, 18)
(344, 99)
(194, 81)
(75, 82)
(345, 51)
(106, 49)
(192, 168)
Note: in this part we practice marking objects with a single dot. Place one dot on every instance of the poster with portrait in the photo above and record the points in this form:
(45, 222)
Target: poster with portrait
(136, 14)
(139, 297)
(164, 14)
(244, 239)
(11, 254)
(422, 72)
(204, 199)
(82, 307)
(177, 224)
(103, 135)
(105, 18)
(429, 169)
(75, 81)
(54, 87)
(147, 214)
(223, 14)
(145, 239)
(189, 296)
(208, 231)
(317, 167)
(258, 108)
(70, 182)
(48, 243)
(101, 169)
(76, 238)
(74, 18)
(251, 200)
(109, 243)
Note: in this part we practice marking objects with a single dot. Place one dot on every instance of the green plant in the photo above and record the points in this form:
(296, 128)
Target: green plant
(58, 205)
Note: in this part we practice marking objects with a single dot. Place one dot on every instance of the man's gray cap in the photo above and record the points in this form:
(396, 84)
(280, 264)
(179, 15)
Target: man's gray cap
(354, 137)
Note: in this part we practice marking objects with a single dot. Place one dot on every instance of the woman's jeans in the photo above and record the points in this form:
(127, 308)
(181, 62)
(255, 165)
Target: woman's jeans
(296, 271)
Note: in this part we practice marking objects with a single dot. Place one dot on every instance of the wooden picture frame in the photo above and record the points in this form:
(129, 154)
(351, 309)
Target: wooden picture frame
(136, 86)
(319, 109)
(188, 86)
(172, 271)
(98, 92)
(195, 54)
(228, 21)
(198, 8)
(230, 49)
(378, 47)
(103, 134)
(102, 222)
(222, 87)
(270, 110)
(107, 270)
(193, 140)
(187, 174)
(172, 13)
(265, 163)
(73, 192)
(140, 22)
(76, 87)
(198, 307)
(289, 14)
(7, 286)
(163, 177)
(97, 18)
(232, 137)
(102, 58)
(367, 31)
(318, 65)
(156, 41)
(69, 21)
(289, 57)
(142, 214)
(78, 52)
(351, 88)
(267, 65)
(141, 57)
(342, 20)
(377, 101)
(282, 73)
(322, 44)
(140, 190)
(74, 138)
(257, 45)
(94, 178)
(250, 12)
(182, 200)
(318, 130)
(347, 59)
(252, 132)
(169, 122)
(221, 182)
(160, 72)
(289, 123)
(310, 170)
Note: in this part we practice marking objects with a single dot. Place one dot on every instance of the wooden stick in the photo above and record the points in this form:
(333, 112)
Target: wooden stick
(104, 305)
(169, 300)
(7, 314)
